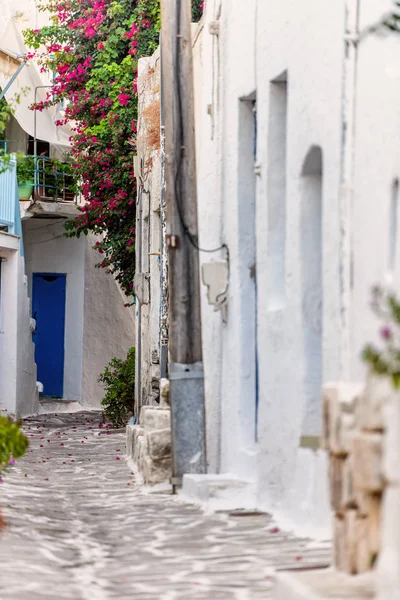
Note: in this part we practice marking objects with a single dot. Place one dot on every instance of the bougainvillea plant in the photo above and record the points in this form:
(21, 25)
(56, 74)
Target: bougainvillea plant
(13, 443)
(384, 359)
(118, 379)
(92, 47)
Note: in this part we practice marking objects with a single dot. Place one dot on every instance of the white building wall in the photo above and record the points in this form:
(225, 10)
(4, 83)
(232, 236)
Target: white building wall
(148, 231)
(375, 215)
(48, 251)
(97, 325)
(311, 298)
(109, 328)
(17, 367)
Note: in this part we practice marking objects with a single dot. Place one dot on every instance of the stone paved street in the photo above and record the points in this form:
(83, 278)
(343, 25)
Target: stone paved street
(81, 528)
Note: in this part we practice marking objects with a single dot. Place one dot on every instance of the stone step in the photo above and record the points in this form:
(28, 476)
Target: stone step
(323, 584)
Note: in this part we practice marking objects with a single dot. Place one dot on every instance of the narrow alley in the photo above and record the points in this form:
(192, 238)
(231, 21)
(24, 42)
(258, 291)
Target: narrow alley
(79, 527)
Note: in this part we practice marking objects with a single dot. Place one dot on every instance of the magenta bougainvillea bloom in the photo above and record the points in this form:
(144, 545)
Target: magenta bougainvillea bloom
(94, 53)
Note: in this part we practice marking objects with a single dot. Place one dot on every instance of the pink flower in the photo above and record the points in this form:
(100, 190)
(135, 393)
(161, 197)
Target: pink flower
(123, 99)
(386, 333)
(100, 46)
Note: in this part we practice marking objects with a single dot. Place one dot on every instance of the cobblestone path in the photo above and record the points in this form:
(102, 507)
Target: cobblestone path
(80, 528)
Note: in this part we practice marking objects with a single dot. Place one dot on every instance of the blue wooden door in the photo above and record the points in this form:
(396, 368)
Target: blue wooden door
(48, 309)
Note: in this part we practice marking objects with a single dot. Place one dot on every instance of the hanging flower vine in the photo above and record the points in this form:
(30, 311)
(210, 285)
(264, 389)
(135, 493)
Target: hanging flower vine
(93, 48)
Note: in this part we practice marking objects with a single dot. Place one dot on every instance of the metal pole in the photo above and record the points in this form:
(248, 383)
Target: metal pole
(35, 139)
(13, 78)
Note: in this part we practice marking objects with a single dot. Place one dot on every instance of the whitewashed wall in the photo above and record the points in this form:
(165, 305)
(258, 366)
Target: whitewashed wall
(48, 251)
(305, 315)
(109, 328)
(148, 228)
(97, 325)
(17, 367)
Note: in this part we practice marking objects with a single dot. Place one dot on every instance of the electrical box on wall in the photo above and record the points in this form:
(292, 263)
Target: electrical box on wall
(141, 286)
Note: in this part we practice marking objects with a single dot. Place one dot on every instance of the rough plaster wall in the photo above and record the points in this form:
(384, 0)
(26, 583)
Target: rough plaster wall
(17, 365)
(27, 398)
(48, 251)
(150, 158)
(24, 10)
(377, 165)
(8, 331)
(238, 402)
(313, 118)
(108, 326)
(210, 228)
(285, 38)
(17, 139)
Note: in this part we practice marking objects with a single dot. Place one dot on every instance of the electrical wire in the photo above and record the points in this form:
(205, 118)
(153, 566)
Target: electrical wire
(192, 239)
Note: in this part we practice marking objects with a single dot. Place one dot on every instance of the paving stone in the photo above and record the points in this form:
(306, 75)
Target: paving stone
(80, 527)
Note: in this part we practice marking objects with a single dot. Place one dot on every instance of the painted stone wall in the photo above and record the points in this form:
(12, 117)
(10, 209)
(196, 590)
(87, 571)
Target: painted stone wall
(148, 232)
(18, 394)
(97, 325)
(310, 219)
(47, 250)
(108, 326)
(361, 434)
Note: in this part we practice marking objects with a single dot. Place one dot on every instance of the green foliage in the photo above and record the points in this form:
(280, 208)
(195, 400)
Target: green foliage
(197, 10)
(393, 21)
(118, 379)
(385, 359)
(93, 48)
(13, 443)
(25, 169)
(5, 114)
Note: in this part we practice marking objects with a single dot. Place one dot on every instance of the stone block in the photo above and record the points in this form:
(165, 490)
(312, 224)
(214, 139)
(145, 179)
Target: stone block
(391, 440)
(159, 443)
(348, 499)
(388, 572)
(138, 432)
(339, 400)
(363, 554)
(374, 522)
(361, 500)
(339, 543)
(369, 411)
(350, 557)
(153, 417)
(129, 440)
(164, 388)
(142, 453)
(336, 466)
(367, 461)
(156, 471)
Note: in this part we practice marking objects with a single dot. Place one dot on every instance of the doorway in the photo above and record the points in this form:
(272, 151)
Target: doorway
(48, 310)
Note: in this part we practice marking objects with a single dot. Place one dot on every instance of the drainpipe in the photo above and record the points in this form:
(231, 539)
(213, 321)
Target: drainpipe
(164, 250)
(349, 93)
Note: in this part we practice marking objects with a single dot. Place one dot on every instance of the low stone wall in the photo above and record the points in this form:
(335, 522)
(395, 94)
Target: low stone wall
(356, 430)
(149, 444)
